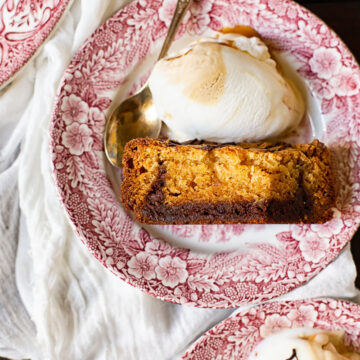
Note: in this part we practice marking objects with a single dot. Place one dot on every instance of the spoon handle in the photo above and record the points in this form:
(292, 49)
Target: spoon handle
(180, 10)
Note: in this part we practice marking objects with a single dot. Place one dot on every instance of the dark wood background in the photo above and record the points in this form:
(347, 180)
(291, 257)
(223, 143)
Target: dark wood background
(343, 16)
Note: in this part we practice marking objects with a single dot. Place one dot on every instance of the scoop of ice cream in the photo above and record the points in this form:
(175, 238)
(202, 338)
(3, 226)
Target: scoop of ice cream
(304, 344)
(224, 89)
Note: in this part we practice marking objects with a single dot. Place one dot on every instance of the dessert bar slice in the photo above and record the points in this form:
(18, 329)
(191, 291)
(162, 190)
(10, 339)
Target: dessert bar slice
(263, 183)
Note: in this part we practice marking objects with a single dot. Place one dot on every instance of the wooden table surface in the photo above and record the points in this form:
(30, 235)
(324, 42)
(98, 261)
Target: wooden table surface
(343, 16)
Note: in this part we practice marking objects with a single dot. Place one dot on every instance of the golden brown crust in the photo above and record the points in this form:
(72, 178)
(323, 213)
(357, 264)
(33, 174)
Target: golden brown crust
(165, 182)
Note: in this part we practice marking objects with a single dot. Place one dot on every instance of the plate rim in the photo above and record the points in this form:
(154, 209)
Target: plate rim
(79, 232)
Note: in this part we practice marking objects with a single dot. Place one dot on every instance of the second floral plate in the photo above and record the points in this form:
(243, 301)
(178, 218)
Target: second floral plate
(25, 25)
(236, 337)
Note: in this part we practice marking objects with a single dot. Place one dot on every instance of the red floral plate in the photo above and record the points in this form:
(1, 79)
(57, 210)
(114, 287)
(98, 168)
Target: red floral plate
(24, 26)
(236, 337)
(217, 266)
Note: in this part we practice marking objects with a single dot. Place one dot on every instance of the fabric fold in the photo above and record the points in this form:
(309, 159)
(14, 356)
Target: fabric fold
(56, 300)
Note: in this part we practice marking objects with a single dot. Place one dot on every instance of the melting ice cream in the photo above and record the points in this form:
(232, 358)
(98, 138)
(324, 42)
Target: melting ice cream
(224, 89)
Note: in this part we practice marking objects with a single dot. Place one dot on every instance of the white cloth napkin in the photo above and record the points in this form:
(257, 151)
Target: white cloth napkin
(56, 300)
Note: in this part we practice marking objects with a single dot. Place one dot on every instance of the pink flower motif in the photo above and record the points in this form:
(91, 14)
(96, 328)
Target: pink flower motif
(274, 323)
(199, 7)
(314, 239)
(323, 88)
(313, 247)
(304, 316)
(199, 16)
(346, 82)
(57, 157)
(77, 138)
(325, 62)
(116, 25)
(96, 116)
(74, 109)
(157, 247)
(171, 271)
(166, 11)
(332, 227)
(299, 231)
(143, 265)
(97, 119)
(196, 24)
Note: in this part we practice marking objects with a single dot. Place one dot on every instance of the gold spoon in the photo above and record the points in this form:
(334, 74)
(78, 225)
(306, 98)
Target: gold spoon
(136, 116)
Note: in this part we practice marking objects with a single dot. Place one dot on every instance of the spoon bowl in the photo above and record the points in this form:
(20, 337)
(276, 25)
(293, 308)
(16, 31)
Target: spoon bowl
(136, 116)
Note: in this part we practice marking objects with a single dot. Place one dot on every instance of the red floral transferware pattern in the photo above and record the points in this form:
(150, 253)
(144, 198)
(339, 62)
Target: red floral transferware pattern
(24, 25)
(221, 280)
(206, 233)
(236, 337)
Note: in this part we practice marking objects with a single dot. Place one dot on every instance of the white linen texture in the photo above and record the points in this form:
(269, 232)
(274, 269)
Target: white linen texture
(56, 300)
